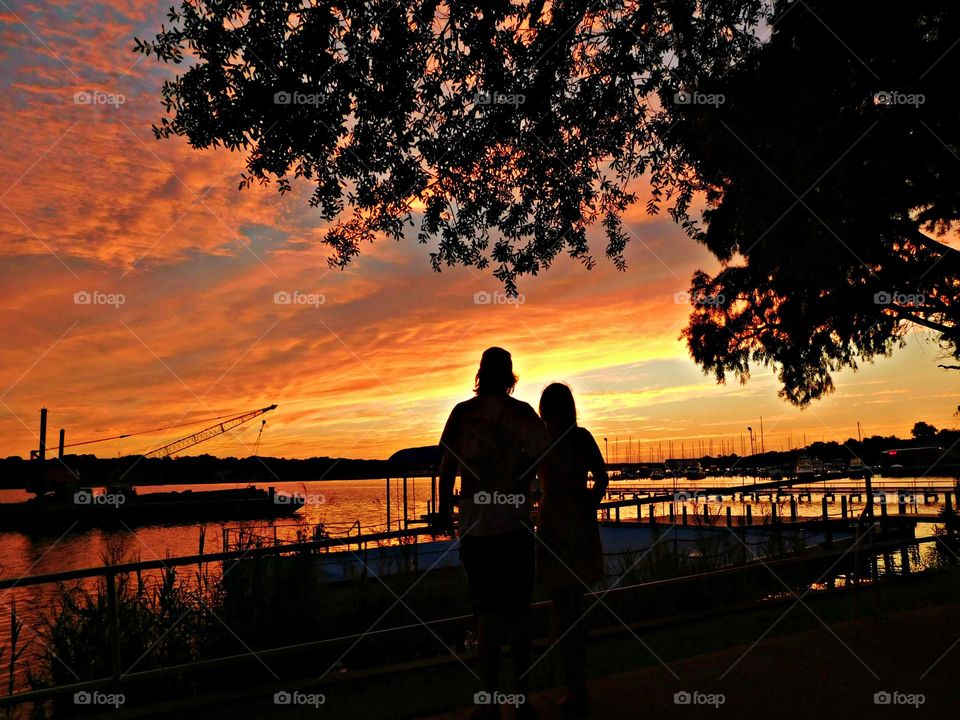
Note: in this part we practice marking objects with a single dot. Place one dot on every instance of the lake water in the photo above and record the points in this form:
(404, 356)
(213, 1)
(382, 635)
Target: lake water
(336, 503)
(339, 504)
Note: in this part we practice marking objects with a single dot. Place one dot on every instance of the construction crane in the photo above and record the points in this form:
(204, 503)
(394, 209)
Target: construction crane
(256, 445)
(207, 433)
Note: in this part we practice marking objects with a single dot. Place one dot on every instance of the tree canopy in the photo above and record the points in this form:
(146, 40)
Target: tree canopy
(504, 131)
(830, 170)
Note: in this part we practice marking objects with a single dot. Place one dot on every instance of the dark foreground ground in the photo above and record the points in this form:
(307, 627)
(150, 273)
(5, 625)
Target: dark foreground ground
(826, 672)
(824, 657)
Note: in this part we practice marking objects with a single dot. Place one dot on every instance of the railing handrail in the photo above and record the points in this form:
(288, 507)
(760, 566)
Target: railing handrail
(265, 550)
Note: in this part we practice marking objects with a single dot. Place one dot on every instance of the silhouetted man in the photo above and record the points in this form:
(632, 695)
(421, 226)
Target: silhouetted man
(496, 441)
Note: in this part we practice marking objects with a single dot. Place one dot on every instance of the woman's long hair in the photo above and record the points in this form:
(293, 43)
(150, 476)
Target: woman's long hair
(558, 409)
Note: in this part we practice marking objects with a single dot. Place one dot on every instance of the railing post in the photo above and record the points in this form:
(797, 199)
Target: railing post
(729, 516)
(843, 506)
(114, 625)
(749, 514)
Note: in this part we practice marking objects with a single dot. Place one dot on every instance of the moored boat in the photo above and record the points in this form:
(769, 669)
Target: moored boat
(123, 506)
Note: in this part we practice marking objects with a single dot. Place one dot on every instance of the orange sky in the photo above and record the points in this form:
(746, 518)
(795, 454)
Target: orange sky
(90, 202)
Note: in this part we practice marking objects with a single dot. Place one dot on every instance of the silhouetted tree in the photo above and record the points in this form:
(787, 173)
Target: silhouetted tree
(507, 129)
(923, 431)
(829, 170)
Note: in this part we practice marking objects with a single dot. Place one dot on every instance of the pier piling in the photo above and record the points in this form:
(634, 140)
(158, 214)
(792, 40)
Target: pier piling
(42, 452)
(388, 504)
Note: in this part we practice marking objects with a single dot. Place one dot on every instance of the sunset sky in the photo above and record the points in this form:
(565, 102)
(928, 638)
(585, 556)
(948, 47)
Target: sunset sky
(91, 203)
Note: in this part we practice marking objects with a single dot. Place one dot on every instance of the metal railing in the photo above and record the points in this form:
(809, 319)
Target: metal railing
(110, 573)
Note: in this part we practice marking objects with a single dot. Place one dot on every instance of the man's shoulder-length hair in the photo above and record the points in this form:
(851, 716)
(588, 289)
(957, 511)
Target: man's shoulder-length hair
(495, 376)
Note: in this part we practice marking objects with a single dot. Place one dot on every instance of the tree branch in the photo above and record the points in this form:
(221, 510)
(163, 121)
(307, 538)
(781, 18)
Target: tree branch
(948, 255)
(914, 318)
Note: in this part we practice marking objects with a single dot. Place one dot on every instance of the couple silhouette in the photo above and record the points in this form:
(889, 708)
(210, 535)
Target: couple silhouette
(501, 447)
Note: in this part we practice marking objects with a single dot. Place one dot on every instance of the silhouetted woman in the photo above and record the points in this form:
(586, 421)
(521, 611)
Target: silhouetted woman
(570, 558)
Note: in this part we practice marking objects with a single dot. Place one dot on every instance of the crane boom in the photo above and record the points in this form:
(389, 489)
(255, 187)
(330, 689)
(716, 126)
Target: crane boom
(206, 433)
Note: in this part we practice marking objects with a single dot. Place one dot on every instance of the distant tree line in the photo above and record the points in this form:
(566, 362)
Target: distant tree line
(869, 450)
(16, 472)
